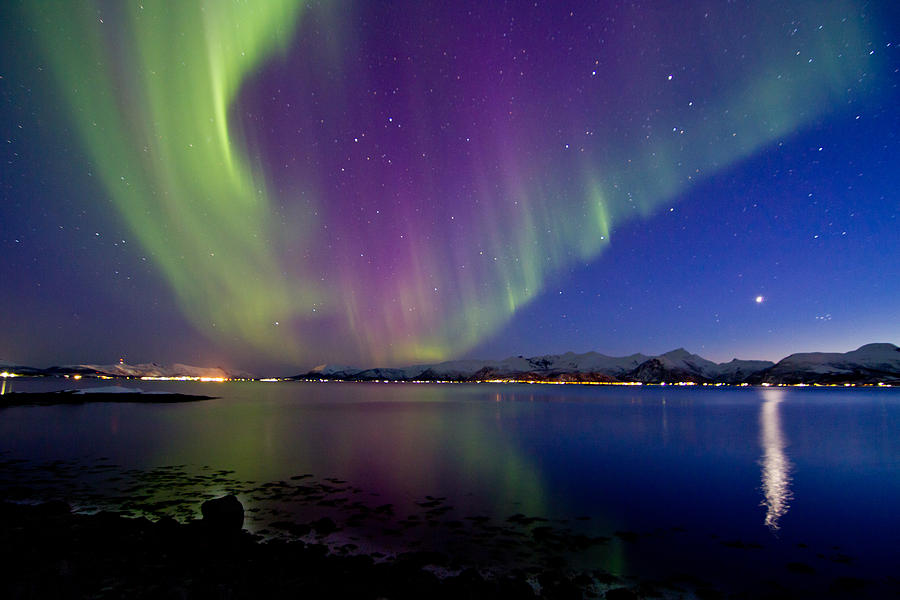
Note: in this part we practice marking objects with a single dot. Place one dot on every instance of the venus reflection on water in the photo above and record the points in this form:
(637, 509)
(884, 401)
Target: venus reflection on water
(776, 468)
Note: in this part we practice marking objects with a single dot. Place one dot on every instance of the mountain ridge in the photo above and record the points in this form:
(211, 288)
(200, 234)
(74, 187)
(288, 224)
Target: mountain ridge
(868, 364)
(121, 369)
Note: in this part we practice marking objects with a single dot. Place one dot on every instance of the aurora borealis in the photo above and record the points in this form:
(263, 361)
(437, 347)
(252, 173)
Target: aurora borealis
(282, 184)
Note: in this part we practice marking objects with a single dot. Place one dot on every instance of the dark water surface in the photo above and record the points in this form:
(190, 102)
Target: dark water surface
(741, 485)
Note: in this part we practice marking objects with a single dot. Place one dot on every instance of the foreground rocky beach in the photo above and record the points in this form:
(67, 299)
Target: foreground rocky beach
(50, 552)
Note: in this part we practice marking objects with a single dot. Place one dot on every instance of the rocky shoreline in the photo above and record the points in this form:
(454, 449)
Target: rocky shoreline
(50, 552)
(161, 533)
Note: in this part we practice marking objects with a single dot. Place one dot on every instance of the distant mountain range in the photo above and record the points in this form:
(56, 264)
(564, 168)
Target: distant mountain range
(155, 370)
(870, 364)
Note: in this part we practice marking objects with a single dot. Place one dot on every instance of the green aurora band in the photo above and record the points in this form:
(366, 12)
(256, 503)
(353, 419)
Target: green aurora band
(150, 85)
(154, 116)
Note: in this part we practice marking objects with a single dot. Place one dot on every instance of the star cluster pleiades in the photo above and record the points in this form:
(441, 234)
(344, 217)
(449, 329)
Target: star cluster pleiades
(284, 183)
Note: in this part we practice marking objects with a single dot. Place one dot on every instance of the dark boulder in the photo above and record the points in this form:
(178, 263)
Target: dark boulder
(223, 515)
(54, 508)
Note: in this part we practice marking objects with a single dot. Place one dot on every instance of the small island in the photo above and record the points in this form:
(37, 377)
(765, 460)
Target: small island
(105, 394)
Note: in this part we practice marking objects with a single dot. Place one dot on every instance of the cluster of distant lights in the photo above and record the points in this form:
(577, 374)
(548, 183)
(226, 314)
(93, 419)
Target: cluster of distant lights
(619, 383)
(7, 374)
(161, 378)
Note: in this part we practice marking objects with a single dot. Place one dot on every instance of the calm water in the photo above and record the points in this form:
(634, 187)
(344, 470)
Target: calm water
(732, 481)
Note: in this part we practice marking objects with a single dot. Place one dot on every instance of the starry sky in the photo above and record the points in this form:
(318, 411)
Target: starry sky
(274, 185)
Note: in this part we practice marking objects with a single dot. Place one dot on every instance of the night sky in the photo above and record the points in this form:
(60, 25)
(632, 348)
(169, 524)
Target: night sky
(273, 185)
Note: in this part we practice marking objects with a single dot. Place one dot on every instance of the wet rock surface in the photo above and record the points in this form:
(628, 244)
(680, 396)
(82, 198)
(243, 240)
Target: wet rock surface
(53, 554)
(223, 516)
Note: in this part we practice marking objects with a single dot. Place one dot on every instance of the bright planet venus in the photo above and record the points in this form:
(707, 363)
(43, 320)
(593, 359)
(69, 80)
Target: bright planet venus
(277, 184)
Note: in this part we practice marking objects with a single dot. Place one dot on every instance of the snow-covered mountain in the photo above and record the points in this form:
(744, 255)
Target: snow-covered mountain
(677, 365)
(871, 363)
(674, 366)
(737, 371)
(148, 370)
(550, 364)
(12, 367)
(326, 370)
(589, 362)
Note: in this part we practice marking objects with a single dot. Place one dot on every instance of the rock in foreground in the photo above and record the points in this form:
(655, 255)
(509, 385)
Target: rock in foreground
(223, 516)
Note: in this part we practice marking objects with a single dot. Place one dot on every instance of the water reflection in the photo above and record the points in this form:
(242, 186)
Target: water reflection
(776, 468)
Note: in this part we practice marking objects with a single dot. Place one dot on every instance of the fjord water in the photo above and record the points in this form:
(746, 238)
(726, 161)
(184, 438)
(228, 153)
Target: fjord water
(728, 480)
